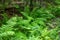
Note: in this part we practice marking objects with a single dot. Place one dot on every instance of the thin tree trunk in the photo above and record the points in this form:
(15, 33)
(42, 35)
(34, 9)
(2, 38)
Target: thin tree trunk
(31, 4)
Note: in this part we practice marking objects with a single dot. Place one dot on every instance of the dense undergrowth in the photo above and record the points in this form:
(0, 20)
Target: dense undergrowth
(33, 25)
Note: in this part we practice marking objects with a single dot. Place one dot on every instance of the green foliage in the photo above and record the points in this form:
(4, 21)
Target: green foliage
(32, 25)
(18, 28)
(56, 11)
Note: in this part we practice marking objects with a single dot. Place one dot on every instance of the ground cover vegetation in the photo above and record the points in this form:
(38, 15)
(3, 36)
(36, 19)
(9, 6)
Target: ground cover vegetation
(42, 23)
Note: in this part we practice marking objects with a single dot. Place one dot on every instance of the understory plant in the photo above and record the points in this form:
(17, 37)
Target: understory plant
(29, 27)
(33, 25)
